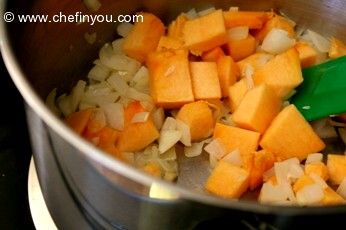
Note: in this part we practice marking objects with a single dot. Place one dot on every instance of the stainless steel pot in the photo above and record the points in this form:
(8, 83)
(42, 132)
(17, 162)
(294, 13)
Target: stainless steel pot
(107, 193)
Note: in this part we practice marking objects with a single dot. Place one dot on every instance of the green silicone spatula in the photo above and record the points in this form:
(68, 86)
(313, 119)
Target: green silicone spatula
(323, 91)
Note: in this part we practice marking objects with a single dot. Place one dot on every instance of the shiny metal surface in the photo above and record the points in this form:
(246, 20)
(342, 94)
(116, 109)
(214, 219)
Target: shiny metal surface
(57, 55)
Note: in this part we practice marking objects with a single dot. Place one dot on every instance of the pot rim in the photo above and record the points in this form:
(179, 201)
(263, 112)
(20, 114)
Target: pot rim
(95, 154)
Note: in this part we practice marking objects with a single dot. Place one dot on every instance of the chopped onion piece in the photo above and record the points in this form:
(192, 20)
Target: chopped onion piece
(92, 5)
(342, 188)
(185, 131)
(140, 80)
(168, 138)
(206, 11)
(158, 117)
(238, 33)
(99, 72)
(100, 116)
(77, 94)
(83, 105)
(195, 150)
(215, 148)
(124, 29)
(282, 169)
(295, 171)
(234, 9)
(50, 102)
(310, 194)
(117, 46)
(191, 14)
(272, 193)
(118, 61)
(321, 43)
(94, 100)
(169, 124)
(140, 117)
(138, 96)
(213, 161)
(115, 115)
(318, 180)
(169, 155)
(234, 158)
(117, 83)
(313, 158)
(287, 188)
(277, 41)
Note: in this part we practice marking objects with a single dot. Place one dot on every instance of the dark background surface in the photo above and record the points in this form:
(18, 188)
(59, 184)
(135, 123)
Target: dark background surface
(15, 154)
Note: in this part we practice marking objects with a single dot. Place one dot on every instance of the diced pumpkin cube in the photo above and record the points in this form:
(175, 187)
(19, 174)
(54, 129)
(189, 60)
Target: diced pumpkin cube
(213, 55)
(228, 73)
(169, 43)
(227, 180)
(336, 168)
(198, 116)
(337, 48)
(175, 29)
(319, 168)
(278, 22)
(236, 94)
(290, 135)
(256, 61)
(240, 49)
(331, 197)
(144, 37)
(262, 161)
(107, 136)
(253, 20)
(170, 81)
(205, 33)
(236, 138)
(205, 81)
(282, 73)
(257, 109)
(137, 136)
(94, 126)
(307, 54)
(302, 182)
(78, 121)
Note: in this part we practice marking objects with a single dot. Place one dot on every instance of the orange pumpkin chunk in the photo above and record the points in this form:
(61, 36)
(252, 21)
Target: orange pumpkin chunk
(337, 48)
(278, 22)
(78, 121)
(205, 81)
(262, 161)
(236, 138)
(205, 33)
(144, 37)
(228, 73)
(317, 168)
(198, 116)
(307, 54)
(240, 49)
(236, 94)
(290, 135)
(170, 81)
(227, 180)
(336, 168)
(282, 73)
(213, 55)
(257, 109)
(253, 20)
(169, 43)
